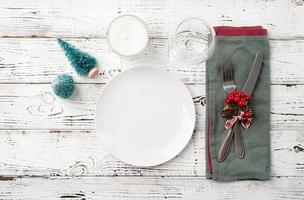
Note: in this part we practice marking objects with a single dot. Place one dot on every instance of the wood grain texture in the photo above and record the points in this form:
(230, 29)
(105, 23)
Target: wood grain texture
(149, 188)
(40, 60)
(81, 153)
(89, 19)
(37, 108)
(53, 140)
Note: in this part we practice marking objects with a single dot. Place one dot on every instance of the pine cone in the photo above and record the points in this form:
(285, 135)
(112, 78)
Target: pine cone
(247, 109)
(228, 112)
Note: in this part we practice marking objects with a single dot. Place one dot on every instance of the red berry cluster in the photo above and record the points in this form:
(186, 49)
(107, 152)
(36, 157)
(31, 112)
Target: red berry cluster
(239, 98)
(237, 102)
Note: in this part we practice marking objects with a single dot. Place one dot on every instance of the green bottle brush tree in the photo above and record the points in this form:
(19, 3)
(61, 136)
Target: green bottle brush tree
(63, 86)
(83, 63)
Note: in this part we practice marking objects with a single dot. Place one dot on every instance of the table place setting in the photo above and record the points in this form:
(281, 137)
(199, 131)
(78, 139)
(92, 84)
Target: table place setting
(145, 116)
(151, 100)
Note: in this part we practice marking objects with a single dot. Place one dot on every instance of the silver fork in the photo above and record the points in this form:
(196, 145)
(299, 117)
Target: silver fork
(228, 86)
(228, 77)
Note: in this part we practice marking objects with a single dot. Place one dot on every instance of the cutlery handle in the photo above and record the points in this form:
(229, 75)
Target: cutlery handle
(224, 150)
(239, 143)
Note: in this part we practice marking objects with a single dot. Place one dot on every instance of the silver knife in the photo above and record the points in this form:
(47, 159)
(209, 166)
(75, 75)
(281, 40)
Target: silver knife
(253, 75)
(248, 89)
(235, 130)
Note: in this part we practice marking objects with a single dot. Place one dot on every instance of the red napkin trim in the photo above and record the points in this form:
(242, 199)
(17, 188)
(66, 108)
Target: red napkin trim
(209, 165)
(240, 31)
(231, 31)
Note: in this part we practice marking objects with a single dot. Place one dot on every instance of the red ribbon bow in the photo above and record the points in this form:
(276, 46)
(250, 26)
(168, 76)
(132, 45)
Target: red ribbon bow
(245, 122)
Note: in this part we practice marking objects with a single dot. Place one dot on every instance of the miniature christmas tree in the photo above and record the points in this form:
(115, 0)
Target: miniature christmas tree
(83, 63)
(63, 86)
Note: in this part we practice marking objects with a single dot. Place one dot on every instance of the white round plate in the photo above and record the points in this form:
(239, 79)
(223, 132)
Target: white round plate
(145, 116)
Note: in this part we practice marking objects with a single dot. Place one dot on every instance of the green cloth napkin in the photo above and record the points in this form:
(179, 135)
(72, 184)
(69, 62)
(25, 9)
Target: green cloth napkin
(241, 50)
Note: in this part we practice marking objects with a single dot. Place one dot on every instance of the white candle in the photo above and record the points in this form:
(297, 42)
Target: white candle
(127, 35)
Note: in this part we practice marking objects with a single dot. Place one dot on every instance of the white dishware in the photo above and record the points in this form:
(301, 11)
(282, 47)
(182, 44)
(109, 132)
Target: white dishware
(127, 35)
(145, 116)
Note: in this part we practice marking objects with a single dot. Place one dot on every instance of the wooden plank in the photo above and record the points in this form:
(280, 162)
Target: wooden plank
(37, 108)
(58, 18)
(149, 188)
(41, 60)
(81, 153)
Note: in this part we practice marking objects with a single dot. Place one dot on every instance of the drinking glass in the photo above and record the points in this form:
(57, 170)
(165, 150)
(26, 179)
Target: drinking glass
(193, 41)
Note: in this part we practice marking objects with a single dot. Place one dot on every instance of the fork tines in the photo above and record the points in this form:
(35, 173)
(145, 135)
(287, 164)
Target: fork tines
(227, 71)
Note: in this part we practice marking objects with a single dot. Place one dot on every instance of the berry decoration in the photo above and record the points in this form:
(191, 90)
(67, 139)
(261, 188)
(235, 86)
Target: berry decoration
(236, 109)
(63, 86)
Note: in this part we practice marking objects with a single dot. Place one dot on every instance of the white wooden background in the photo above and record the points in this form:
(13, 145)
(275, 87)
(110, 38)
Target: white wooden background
(48, 146)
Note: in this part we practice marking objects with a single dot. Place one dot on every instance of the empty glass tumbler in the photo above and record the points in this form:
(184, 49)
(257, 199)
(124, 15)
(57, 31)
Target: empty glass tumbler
(193, 41)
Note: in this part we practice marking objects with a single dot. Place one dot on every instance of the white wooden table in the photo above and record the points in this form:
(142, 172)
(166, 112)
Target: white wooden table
(48, 146)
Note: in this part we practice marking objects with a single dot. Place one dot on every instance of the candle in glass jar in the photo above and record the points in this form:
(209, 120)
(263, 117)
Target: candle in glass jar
(127, 35)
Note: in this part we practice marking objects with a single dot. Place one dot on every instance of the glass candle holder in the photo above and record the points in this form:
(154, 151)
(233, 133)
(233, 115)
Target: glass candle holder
(127, 35)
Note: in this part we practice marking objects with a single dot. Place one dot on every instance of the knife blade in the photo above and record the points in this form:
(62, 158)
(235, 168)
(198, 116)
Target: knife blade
(248, 89)
(254, 74)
